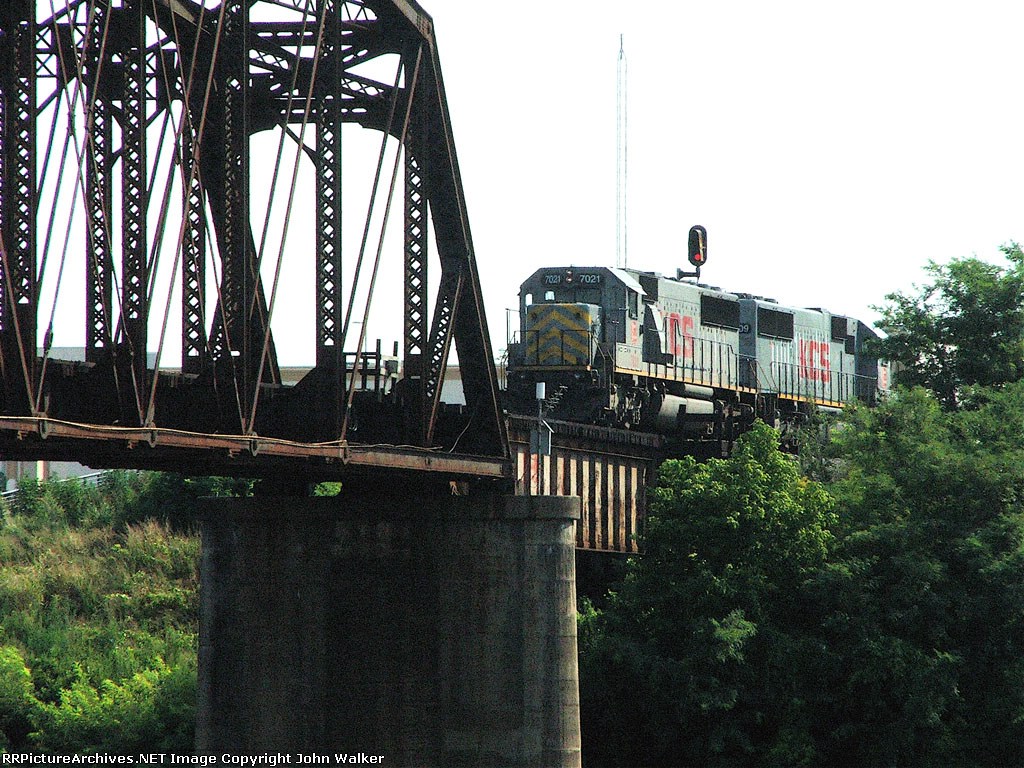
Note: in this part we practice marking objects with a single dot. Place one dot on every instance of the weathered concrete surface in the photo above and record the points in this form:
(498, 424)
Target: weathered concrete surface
(433, 629)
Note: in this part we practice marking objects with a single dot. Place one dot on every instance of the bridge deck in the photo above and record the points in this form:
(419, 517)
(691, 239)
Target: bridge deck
(610, 469)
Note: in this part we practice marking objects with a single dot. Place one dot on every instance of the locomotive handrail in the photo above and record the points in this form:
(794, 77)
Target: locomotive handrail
(749, 366)
(812, 383)
(724, 375)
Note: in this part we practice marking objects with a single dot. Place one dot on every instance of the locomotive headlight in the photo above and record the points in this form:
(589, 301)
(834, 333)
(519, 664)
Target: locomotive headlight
(568, 275)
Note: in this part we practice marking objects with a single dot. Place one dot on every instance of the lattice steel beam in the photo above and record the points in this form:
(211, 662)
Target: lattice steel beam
(415, 287)
(239, 322)
(328, 198)
(238, 278)
(18, 205)
(194, 342)
(442, 331)
(134, 196)
(99, 153)
(458, 264)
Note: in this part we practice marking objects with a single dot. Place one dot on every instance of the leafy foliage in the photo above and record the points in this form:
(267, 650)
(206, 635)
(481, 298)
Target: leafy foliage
(923, 603)
(876, 620)
(684, 665)
(964, 328)
(18, 705)
(150, 711)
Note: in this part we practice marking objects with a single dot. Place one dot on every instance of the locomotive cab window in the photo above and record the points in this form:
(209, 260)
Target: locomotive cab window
(631, 298)
(529, 299)
(549, 295)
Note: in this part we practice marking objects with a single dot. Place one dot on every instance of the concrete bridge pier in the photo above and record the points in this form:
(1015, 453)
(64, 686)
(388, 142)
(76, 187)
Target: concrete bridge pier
(395, 621)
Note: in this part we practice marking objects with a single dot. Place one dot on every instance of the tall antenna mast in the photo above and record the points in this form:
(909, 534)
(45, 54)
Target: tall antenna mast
(621, 256)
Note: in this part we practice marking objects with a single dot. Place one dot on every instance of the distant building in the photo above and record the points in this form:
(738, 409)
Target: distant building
(14, 471)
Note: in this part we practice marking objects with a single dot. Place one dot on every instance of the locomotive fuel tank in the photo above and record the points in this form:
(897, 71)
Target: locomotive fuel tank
(671, 409)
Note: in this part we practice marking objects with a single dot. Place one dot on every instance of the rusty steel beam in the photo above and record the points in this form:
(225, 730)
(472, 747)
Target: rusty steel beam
(194, 340)
(54, 436)
(459, 270)
(227, 174)
(415, 297)
(329, 222)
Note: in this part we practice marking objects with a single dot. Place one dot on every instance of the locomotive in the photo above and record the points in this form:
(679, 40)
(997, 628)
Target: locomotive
(631, 349)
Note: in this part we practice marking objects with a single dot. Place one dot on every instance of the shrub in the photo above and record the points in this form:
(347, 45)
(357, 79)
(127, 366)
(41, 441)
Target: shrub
(150, 711)
(18, 705)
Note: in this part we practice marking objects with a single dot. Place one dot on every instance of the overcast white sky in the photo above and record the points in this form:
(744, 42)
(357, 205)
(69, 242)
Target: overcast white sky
(830, 149)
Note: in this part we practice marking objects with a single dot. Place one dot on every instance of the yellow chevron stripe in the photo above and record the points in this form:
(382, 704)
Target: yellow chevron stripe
(569, 316)
(559, 320)
(559, 340)
(555, 352)
(558, 334)
(574, 339)
(556, 348)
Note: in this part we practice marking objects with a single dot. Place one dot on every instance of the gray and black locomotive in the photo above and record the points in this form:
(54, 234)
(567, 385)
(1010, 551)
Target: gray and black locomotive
(637, 350)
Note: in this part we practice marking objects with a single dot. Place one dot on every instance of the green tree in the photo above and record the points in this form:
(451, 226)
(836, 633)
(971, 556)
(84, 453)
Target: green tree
(689, 663)
(921, 604)
(774, 623)
(965, 327)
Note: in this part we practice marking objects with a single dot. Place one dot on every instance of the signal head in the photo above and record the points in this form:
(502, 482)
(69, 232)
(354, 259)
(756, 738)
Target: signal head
(697, 246)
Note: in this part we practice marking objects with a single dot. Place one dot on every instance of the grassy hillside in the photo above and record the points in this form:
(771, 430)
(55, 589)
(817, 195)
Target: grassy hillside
(98, 613)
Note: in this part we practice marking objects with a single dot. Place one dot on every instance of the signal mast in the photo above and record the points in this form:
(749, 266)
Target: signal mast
(621, 259)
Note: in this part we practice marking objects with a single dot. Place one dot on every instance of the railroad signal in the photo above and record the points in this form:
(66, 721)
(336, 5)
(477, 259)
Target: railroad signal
(697, 252)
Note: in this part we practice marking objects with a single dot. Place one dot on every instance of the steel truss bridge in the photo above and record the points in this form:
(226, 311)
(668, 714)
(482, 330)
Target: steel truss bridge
(127, 210)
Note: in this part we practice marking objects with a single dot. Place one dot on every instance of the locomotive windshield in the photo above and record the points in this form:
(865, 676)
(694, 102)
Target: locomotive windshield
(567, 295)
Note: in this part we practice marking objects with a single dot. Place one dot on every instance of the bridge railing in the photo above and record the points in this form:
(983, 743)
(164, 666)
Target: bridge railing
(370, 371)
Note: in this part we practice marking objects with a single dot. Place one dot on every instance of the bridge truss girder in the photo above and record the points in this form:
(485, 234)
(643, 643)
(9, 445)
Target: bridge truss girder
(220, 72)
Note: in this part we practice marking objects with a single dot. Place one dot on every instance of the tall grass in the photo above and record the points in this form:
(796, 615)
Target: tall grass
(98, 613)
